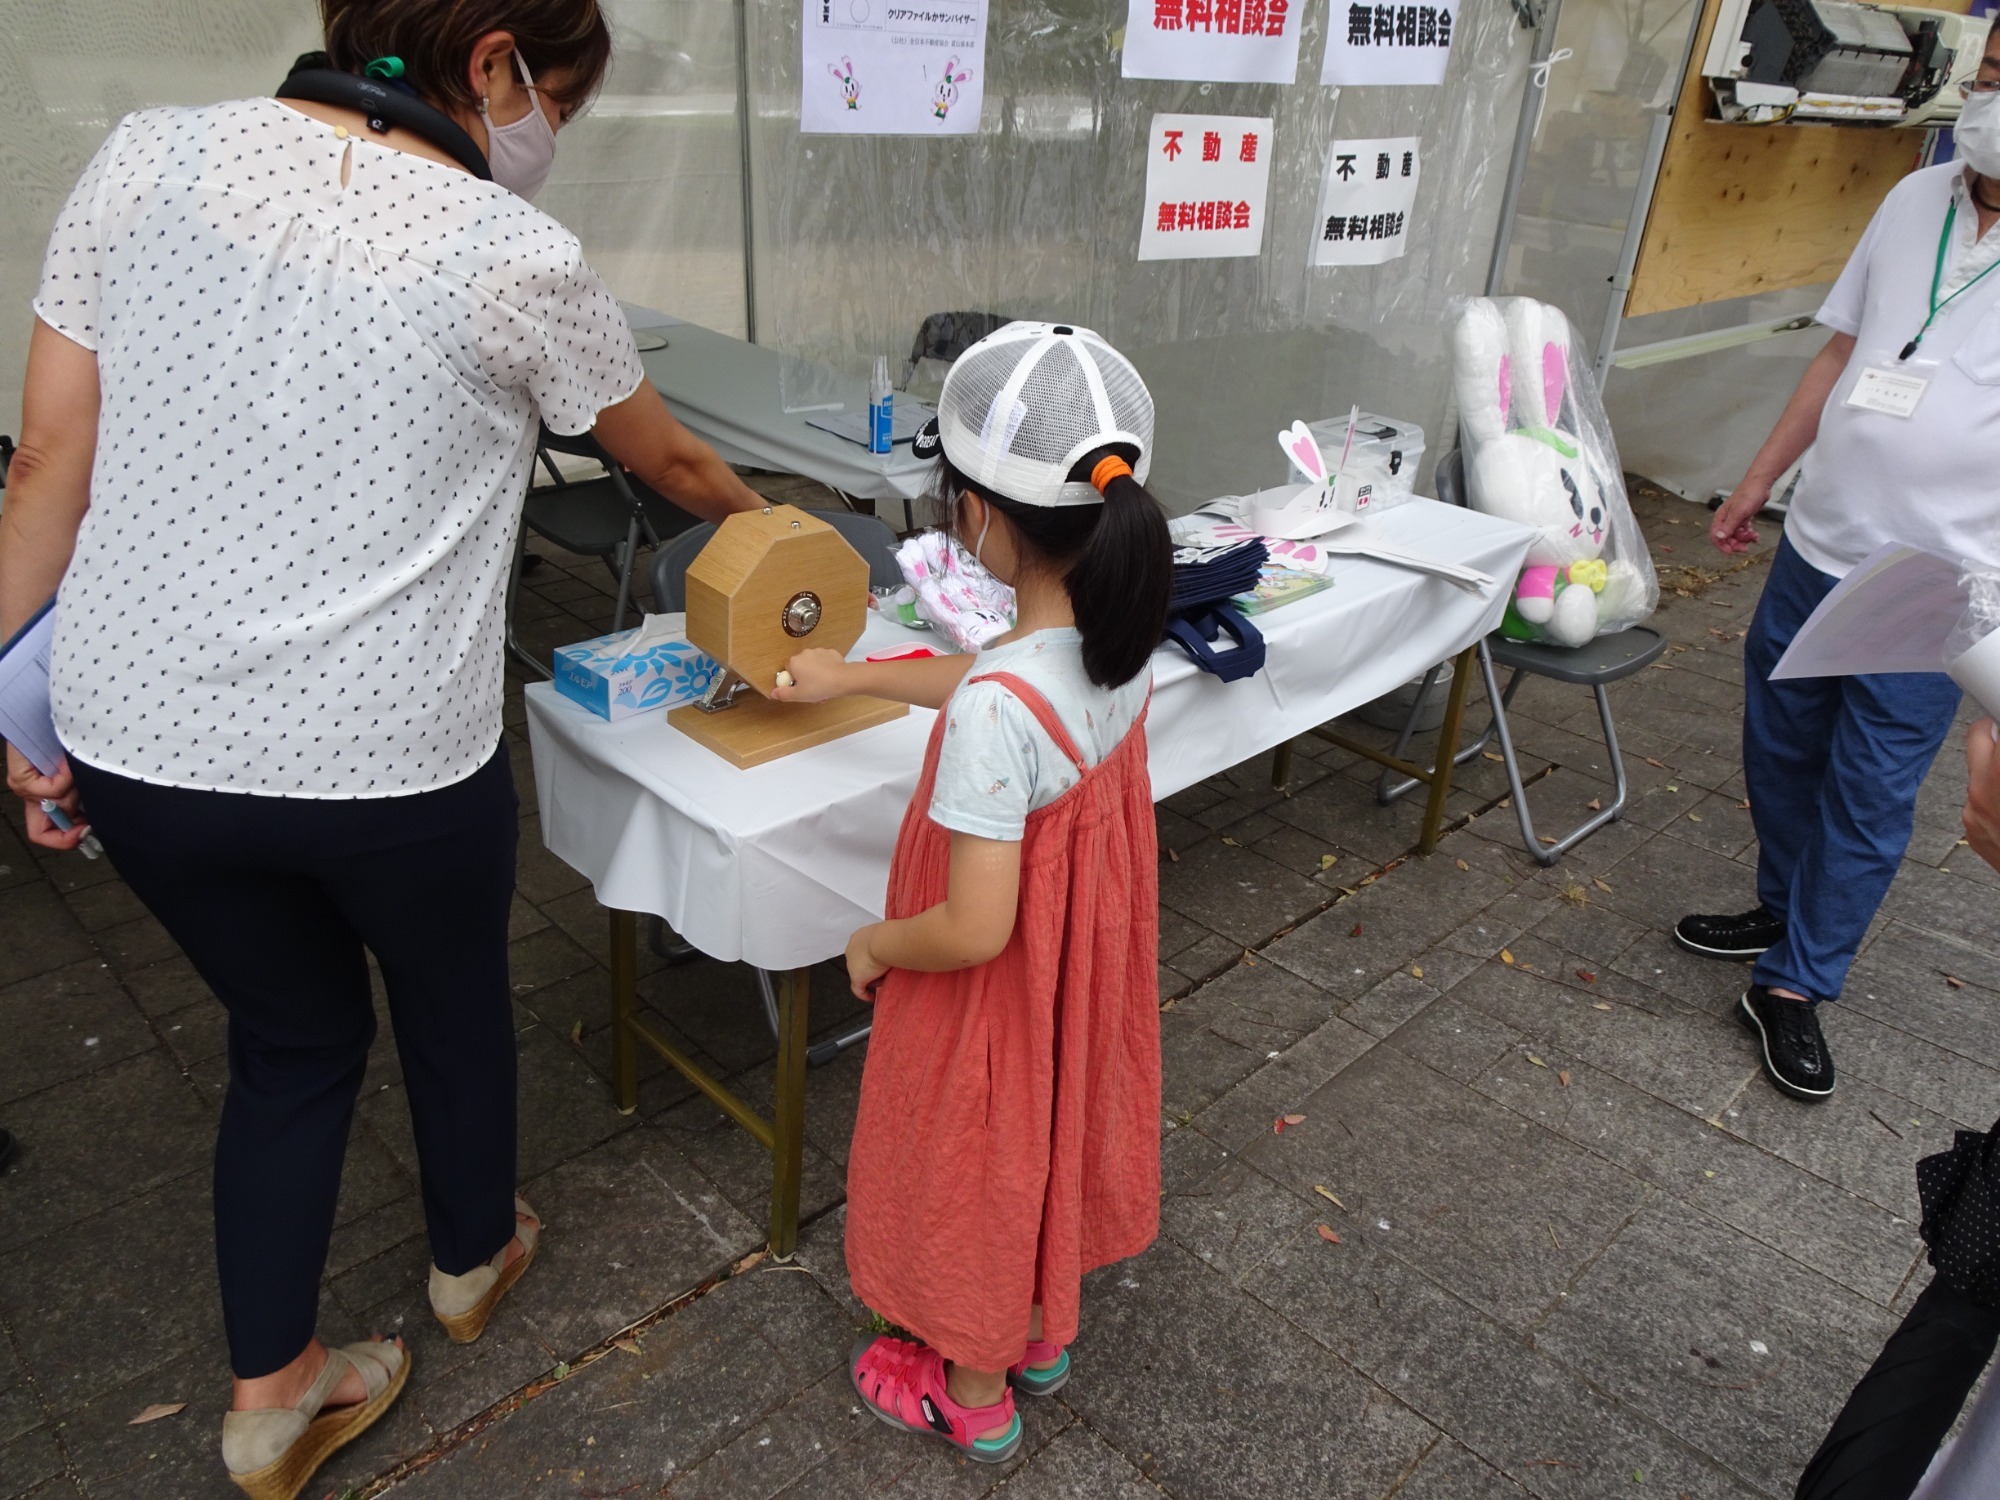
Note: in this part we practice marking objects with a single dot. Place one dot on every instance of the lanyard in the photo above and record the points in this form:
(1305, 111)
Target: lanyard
(1937, 280)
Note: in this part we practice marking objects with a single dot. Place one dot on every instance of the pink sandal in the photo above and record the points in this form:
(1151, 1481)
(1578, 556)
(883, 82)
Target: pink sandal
(1043, 1370)
(903, 1383)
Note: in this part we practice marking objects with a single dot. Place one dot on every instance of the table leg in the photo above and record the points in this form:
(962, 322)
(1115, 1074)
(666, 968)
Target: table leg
(788, 1110)
(1454, 715)
(624, 1007)
(1281, 767)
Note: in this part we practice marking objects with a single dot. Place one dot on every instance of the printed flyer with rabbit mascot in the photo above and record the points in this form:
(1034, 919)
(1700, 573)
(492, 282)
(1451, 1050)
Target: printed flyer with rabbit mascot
(1538, 451)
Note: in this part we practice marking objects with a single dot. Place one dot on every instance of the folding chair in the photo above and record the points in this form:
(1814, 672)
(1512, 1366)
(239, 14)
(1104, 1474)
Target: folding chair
(1595, 665)
(605, 517)
(872, 538)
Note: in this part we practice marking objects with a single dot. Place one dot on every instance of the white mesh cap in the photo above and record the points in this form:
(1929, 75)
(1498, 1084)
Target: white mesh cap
(1022, 405)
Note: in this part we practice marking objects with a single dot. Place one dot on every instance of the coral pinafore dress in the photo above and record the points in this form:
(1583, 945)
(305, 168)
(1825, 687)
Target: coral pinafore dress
(1008, 1138)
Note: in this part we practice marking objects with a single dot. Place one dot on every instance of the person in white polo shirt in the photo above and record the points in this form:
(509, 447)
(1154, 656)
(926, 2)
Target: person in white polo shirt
(1901, 414)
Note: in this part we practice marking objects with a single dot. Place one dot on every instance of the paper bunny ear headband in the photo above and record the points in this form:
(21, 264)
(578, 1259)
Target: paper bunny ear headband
(1303, 450)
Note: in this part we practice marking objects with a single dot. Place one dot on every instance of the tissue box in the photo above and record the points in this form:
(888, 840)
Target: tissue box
(616, 684)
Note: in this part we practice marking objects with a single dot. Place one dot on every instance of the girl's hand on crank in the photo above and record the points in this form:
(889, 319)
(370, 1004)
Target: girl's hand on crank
(817, 675)
(864, 969)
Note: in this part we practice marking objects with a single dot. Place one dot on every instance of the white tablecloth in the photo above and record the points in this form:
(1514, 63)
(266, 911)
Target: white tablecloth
(779, 864)
(729, 394)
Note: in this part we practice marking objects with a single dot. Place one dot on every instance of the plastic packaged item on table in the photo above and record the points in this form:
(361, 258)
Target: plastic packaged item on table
(899, 604)
(1382, 464)
(1538, 451)
(962, 600)
(635, 671)
(1972, 650)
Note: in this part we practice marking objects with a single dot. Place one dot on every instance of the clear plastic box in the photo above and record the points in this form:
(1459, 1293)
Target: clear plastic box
(1382, 466)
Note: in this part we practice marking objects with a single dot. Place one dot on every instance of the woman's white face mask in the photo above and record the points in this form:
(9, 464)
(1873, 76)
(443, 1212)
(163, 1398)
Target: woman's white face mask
(1977, 134)
(520, 154)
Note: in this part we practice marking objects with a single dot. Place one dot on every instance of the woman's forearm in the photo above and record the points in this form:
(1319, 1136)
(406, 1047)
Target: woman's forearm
(48, 481)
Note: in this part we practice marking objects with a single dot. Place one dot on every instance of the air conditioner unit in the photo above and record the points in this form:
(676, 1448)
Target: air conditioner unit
(1830, 61)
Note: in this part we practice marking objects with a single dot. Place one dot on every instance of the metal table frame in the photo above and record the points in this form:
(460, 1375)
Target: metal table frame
(784, 1134)
(1436, 776)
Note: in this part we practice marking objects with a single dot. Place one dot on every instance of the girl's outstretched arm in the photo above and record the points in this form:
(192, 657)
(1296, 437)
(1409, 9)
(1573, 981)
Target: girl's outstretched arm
(969, 927)
(820, 674)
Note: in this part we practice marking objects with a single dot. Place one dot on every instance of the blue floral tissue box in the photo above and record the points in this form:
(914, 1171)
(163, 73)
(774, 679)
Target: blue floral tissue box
(635, 671)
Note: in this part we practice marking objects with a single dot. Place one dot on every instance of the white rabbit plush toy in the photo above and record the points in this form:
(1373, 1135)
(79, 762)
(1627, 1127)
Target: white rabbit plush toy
(1529, 459)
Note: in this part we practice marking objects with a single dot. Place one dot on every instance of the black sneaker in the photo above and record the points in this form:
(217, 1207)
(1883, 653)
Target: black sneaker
(1795, 1053)
(1743, 936)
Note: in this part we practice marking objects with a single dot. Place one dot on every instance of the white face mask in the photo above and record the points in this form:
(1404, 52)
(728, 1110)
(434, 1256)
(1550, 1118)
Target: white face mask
(520, 154)
(1977, 134)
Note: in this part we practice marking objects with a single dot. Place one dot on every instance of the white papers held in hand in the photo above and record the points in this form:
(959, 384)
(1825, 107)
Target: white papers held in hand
(25, 719)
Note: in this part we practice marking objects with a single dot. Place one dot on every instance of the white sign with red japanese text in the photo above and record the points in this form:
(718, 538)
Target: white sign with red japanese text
(1374, 43)
(1207, 180)
(1214, 41)
(892, 67)
(1365, 202)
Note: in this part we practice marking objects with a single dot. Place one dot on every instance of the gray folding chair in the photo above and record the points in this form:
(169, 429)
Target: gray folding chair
(1595, 665)
(876, 542)
(607, 517)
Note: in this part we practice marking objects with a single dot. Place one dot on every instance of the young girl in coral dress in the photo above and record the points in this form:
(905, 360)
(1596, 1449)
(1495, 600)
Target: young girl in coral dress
(1008, 1139)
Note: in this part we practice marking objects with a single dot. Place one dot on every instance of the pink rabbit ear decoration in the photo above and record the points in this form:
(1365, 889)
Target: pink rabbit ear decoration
(1506, 386)
(1304, 453)
(1555, 378)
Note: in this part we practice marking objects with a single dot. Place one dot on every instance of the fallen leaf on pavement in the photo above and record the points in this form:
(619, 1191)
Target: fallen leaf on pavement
(1545, 838)
(1326, 1233)
(630, 1346)
(1328, 861)
(576, 1032)
(1416, 971)
(1462, 864)
(561, 1371)
(1506, 957)
(1954, 982)
(158, 1410)
(1662, 765)
(1295, 1119)
(1586, 976)
(1327, 1193)
(1744, 805)
(1536, 1061)
(1599, 1005)
(1595, 804)
(1231, 842)
(1672, 788)
(1357, 930)
(1562, 1077)
(1602, 885)
(1694, 817)
(1489, 755)
(1174, 855)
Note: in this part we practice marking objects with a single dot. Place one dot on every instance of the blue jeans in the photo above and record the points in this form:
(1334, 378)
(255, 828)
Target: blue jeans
(1832, 765)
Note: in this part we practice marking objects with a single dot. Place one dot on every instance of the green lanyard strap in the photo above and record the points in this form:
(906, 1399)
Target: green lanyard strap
(1937, 280)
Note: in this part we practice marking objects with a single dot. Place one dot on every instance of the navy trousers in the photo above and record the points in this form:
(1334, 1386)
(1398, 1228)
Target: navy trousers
(277, 901)
(1832, 765)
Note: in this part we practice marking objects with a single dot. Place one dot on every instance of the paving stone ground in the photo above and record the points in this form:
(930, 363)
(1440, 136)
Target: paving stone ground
(1584, 1249)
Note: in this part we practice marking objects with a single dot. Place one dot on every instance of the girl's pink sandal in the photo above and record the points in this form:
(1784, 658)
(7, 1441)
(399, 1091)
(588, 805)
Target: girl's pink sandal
(903, 1383)
(1043, 1370)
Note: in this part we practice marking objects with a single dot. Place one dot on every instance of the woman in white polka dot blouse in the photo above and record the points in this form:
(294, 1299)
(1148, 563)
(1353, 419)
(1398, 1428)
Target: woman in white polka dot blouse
(282, 397)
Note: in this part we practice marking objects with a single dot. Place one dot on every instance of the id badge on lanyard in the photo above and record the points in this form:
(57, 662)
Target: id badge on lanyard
(1894, 387)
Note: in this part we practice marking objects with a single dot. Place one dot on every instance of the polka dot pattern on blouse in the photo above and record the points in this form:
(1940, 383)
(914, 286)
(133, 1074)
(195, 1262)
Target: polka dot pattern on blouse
(318, 412)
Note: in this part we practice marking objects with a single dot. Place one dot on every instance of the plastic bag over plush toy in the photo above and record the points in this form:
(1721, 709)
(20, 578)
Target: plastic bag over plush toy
(1538, 450)
(1972, 651)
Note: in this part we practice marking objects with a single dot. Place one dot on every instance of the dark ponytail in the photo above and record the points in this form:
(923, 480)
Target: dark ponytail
(1117, 561)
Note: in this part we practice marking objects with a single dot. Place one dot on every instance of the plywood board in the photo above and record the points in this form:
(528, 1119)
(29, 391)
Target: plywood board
(1741, 209)
(757, 729)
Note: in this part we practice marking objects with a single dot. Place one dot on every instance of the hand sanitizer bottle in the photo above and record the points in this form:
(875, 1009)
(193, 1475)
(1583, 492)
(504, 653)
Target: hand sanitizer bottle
(881, 409)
